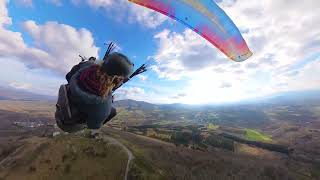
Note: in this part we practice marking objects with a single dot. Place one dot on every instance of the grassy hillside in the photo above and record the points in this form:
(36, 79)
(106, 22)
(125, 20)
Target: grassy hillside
(65, 157)
(254, 135)
(162, 160)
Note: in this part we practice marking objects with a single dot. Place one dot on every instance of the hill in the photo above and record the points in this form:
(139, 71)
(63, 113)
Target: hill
(291, 97)
(77, 157)
(8, 93)
(162, 160)
(132, 104)
(64, 157)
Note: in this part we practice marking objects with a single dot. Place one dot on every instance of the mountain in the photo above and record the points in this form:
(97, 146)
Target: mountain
(291, 97)
(4, 98)
(8, 93)
(129, 103)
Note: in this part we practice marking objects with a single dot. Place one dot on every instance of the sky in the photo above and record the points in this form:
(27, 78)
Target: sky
(40, 41)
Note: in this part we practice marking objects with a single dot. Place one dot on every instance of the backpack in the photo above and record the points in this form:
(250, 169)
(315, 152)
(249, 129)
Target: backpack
(67, 117)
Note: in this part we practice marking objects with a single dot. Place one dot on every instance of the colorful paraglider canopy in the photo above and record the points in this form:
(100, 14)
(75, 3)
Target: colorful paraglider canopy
(207, 19)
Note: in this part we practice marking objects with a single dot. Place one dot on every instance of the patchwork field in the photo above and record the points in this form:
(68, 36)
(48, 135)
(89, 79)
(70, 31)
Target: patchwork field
(251, 142)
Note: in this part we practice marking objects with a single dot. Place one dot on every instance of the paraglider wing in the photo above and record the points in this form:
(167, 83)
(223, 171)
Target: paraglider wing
(207, 19)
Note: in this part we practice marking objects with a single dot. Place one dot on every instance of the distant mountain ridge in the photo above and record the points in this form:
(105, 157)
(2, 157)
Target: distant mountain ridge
(8, 93)
(293, 97)
(129, 103)
(309, 96)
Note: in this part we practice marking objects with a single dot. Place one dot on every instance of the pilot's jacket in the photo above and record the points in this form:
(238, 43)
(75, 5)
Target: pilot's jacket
(96, 109)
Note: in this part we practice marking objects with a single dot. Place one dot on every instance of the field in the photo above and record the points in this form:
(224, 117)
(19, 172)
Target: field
(167, 161)
(212, 127)
(254, 135)
(294, 126)
(250, 142)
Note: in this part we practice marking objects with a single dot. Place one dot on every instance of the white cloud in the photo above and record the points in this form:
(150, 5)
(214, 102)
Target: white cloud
(27, 3)
(306, 78)
(281, 29)
(55, 46)
(4, 18)
(19, 85)
(127, 10)
(101, 3)
(34, 80)
(54, 49)
(55, 2)
(181, 54)
(76, 2)
(281, 34)
(178, 96)
(225, 85)
(62, 43)
(139, 94)
(129, 93)
(145, 16)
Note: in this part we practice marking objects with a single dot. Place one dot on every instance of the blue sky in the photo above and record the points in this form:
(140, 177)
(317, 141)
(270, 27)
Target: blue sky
(40, 41)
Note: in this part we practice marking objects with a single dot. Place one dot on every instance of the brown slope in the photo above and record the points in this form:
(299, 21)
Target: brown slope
(155, 160)
(65, 157)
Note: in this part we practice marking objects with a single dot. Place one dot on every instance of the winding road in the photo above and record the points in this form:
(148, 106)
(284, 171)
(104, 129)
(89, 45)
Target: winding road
(130, 155)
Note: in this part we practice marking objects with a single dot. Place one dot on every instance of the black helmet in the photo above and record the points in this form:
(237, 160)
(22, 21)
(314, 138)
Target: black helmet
(117, 64)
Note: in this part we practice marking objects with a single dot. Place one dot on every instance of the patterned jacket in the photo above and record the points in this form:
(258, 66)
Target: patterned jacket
(96, 109)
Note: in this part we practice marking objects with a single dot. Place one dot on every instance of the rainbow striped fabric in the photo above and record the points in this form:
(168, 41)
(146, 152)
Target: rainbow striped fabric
(207, 19)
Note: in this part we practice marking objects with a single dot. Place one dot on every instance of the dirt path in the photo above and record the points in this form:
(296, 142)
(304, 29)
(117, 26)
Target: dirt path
(130, 155)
